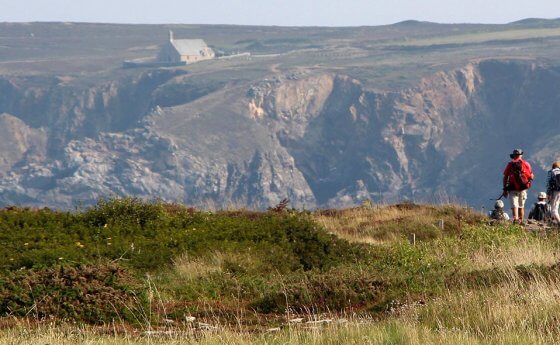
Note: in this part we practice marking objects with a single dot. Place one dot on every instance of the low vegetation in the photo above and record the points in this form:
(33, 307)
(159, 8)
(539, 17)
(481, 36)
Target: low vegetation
(486, 36)
(130, 271)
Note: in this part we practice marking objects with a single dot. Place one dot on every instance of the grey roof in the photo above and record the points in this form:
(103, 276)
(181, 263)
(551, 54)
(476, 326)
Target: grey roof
(189, 47)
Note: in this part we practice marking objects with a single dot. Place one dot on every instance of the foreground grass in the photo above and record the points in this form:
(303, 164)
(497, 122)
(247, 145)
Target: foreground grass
(352, 276)
(522, 310)
(390, 332)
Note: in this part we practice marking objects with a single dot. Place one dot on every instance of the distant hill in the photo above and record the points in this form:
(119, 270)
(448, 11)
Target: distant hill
(536, 21)
(415, 23)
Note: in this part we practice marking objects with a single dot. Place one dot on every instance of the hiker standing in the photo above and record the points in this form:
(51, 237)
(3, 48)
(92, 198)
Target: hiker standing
(518, 176)
(540, 210)
(553, 190)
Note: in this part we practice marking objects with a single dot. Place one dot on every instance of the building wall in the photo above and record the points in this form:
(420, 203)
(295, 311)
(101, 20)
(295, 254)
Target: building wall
(208, 54)
(169, 54)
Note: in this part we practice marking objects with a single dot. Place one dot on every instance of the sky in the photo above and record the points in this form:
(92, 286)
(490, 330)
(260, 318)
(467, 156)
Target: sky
(277, 12)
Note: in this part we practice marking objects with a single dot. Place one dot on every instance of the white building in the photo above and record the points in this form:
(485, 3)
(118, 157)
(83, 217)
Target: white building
(185, 50)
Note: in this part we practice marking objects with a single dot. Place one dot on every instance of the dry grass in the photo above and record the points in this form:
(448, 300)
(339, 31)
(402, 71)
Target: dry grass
(530, 251)
(383, 224)
(520, 306)
(354, 332)
(192, 268)
(365, 225)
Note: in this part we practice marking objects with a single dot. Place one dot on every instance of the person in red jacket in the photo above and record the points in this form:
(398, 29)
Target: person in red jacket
(518, 176)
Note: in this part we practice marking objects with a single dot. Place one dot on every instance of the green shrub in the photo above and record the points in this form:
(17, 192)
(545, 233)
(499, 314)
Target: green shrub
(124, 211)
(90, 293)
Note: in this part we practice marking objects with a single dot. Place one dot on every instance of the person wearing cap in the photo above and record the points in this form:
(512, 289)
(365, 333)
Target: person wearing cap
(553, 190)
(540, 210)
(498, 212)
(518, 176)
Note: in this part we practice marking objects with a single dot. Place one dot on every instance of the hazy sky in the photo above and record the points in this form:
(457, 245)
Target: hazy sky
(277, 12)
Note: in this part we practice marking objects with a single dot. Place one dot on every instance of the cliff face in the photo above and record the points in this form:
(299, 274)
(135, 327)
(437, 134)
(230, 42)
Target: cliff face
(318, 138)
(19, 143)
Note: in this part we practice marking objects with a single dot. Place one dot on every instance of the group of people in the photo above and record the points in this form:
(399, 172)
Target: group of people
(518, 178)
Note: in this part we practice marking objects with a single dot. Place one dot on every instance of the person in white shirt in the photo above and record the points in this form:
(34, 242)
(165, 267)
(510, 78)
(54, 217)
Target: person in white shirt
(553, 190)
(540, 210)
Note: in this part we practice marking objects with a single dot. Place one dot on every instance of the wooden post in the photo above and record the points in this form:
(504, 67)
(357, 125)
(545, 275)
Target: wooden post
(412, 239)
(441, 224)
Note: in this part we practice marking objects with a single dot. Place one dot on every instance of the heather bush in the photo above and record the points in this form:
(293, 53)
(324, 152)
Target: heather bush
(90, 293)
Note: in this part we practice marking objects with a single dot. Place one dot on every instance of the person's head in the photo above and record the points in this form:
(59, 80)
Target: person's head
(542, 196)
(517, 153)
(499, 204)
(556, 165)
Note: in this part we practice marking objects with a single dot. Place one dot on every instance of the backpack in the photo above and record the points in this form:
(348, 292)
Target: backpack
(538, 212)
(555, 180)
(518, 179)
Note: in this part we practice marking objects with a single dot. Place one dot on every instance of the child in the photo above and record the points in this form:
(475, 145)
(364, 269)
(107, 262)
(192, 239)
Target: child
(498, 212)
(540, 209)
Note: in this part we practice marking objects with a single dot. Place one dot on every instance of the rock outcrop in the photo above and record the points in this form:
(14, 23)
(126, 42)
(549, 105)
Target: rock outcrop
(320, 139)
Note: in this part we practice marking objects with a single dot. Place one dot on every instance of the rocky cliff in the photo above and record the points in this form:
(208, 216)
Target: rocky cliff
(319, 138)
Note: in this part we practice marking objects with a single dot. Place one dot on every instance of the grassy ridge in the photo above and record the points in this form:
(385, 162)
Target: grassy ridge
(154, 265)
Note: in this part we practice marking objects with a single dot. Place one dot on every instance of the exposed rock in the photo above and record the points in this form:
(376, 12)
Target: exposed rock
(317, 138)
(19, 142)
